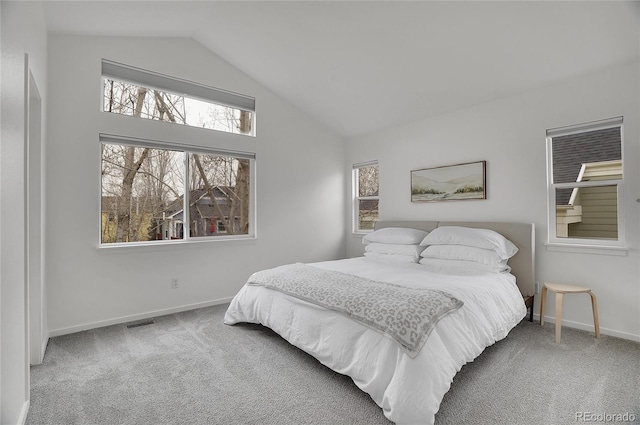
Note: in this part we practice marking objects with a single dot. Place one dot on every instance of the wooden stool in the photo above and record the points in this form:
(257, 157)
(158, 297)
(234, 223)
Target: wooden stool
(560, 289)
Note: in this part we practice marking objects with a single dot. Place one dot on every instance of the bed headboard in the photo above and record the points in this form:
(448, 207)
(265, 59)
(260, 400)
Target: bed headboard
(521, 234)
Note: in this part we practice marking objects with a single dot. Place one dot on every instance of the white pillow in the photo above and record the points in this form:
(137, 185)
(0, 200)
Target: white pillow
(479, 238)
(391, 258)
(465, 253)
(395, 235)
(461, 267)
(394, 249)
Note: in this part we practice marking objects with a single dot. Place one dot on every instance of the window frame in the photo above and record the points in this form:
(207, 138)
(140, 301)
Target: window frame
(355, 181)
(186, 149)
(554, 241)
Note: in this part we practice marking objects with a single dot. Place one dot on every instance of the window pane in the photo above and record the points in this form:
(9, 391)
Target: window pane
(218, 195)
(593, 155)
(368, 181)
(203, 114)
(137, 101)
(592, 213)
(124, 98)
(141, 194)
(367, 213)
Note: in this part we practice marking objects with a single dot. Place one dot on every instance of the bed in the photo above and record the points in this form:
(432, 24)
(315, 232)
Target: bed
(407, 376)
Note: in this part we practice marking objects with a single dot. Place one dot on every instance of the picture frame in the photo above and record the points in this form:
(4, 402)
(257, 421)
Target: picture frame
(449, 183)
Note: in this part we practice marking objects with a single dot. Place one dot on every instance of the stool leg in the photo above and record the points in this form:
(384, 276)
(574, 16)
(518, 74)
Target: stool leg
(594, 306)
(543, 301)
(533, 299)
(558, 315)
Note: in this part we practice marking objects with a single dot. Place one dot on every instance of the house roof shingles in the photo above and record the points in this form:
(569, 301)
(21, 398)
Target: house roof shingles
(571, 151)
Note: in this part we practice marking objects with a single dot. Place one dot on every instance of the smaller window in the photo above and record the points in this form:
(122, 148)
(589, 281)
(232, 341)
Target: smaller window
(366, 196)
(144, 94)
(585, 177)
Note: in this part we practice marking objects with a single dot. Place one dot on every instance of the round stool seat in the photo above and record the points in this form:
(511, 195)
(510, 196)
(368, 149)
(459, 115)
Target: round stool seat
(565, 288)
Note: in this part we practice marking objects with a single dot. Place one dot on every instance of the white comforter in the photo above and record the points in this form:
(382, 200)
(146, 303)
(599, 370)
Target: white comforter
(408, 390)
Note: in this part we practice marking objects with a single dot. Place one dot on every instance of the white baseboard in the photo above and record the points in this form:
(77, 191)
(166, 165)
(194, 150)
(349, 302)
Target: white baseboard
(41, 352)
(589, 327)
(134, 317)
(45, 342)
(23, 413)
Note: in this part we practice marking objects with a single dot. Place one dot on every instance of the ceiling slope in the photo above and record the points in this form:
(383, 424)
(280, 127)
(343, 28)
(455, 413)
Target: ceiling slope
(362, 66)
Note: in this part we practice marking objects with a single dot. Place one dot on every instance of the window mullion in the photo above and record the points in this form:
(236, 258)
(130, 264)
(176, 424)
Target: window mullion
(587, 183)
(187, 212)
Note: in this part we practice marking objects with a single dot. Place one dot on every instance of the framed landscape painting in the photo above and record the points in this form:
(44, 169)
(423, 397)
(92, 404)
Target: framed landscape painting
(449, 183)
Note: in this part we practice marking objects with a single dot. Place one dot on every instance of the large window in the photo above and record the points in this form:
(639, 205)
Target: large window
(153, 192)
(585, 176)
(156, 191)
(366, 196)
(145, 94)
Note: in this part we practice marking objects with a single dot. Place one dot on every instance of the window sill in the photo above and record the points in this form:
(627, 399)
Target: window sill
(172, 244)
(361, 233)
(619, 251)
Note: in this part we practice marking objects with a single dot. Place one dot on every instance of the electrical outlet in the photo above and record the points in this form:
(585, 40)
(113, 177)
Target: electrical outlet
(174, 283)
(537, 287)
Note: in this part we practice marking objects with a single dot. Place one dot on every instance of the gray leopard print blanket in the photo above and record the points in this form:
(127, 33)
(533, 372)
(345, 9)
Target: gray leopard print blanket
(408, 315)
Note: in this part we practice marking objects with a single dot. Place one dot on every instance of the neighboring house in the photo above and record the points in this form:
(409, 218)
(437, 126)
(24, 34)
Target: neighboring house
(587, 212)
(205, 217)
(368, 213)
(168, 222)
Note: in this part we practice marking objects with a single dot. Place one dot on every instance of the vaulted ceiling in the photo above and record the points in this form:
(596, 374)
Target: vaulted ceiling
(361, 66)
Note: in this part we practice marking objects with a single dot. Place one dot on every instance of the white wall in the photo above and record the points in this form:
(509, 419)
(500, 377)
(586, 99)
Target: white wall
(23, 31)
(510, 135)
(300, 189)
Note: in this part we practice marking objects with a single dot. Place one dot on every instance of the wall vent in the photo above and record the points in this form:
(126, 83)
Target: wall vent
(142, 323)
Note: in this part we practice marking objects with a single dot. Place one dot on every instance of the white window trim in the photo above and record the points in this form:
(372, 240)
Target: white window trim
(588, 249)
(186, 148)
(585, 245)
(355, 208)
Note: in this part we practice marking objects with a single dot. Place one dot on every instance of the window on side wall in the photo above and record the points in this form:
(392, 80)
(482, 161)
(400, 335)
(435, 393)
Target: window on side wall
(154, 192)
(366, 196)
(145, 94)
(585, 178)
